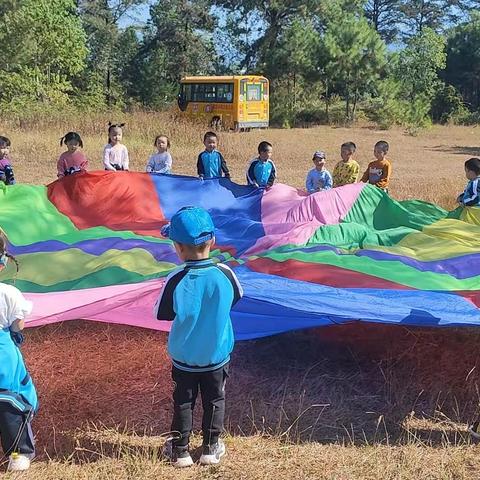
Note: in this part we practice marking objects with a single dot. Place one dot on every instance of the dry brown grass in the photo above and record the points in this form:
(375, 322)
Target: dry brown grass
(429, 167)
(347, 402)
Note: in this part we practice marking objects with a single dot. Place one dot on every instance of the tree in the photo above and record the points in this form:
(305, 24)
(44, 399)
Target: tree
(463, 60)
(419, 64)
(177, 42)
(417, 74)
(44, 48)
(356, 57)
(101, 19)
(384, 16)
(434, 14)
(293, 60)
(274, 16)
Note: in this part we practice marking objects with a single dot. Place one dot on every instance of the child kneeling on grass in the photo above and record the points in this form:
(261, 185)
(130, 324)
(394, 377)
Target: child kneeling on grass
(18, 398)
(198, 298)
(471, 196)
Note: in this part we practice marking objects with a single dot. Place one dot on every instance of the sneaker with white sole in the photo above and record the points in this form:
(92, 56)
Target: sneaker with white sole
(178, 456)
(213, 453)
(18, 462)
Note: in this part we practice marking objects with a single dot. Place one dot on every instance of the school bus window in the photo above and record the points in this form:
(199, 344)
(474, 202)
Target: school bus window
(208, 92)
(254, 92)
(224, 93)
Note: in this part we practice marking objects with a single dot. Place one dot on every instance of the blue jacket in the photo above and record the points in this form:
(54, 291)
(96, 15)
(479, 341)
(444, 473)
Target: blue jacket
(211, 165)
(261, 173)
(317, 181)
(16, 386)
(471, 196)
(198, 298)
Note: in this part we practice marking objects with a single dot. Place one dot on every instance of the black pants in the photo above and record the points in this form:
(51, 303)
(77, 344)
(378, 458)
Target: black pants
(15, 431)
(212, 391)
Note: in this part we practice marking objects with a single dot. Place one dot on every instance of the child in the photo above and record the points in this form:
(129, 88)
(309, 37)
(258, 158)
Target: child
(318, 179)
(18, 398)
(346, 171)
(115, 154)
(378, 172)
(6, 170)
(160, 162)
(261, 171)
(198, 298)
(73, 160)
(210, 163)
(471, 196)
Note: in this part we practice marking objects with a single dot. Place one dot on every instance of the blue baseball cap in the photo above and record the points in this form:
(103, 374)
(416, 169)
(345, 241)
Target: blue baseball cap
(190, 225)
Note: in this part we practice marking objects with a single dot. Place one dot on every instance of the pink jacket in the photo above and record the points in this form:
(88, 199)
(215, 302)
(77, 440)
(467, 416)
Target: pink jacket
(71, 163)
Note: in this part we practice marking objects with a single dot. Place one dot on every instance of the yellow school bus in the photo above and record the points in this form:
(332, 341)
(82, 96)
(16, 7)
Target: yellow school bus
(238, 102)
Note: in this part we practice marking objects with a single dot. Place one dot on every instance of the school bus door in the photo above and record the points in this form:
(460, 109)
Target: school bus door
(253, 105)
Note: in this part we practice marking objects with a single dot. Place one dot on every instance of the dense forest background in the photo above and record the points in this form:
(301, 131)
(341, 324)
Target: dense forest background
(406, 62)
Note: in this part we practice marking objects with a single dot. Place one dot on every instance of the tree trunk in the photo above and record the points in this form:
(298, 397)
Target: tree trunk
(354, 108)
(294, 113)
(347, 105)
(327, 102)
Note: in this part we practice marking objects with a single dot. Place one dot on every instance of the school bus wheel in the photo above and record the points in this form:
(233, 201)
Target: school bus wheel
(216, 122)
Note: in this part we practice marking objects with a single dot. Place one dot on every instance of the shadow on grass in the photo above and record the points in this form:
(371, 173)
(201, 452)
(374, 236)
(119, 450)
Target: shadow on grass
(353, 384)
(457, 150)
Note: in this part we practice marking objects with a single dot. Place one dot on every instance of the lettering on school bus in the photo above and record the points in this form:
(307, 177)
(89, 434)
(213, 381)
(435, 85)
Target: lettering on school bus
(232, 102)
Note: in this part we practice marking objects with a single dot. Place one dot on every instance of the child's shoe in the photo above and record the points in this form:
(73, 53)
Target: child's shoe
(178, 457)
(18, 462)
(474, 430)
(212, 453)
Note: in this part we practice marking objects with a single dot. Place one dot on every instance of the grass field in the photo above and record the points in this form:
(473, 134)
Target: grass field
(347, 402)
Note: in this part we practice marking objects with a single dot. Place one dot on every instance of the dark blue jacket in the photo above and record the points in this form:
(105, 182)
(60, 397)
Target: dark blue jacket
(261, 173)
(212, 165)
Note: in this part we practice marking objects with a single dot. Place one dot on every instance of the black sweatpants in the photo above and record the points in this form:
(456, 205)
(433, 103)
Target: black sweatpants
(15, 431)
(212, 391)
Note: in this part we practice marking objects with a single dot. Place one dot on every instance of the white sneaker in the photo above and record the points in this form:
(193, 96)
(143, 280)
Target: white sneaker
(178, 457)
(18, 462)
(213, 453)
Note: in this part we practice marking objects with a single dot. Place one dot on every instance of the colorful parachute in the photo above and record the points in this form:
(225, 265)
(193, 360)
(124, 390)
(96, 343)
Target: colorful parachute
(89, 247)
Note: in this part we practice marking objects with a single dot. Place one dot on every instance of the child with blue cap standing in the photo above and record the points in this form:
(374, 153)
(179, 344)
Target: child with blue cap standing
(198, 298)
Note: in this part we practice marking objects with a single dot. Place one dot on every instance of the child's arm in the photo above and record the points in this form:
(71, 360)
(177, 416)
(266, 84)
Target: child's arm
(223, 166)
(168, 163)
(237, 287)
(126, 160)
(18, 309)
(470, 197)
(106, 159)
(328, 181)
(273, 175)
(60, 168)
(366, 177)
(163, 309)
(386, 173)
(17, 325)
(84, 164)
(150, 164)
(251, 180)
(200, 167)
(309, 183)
